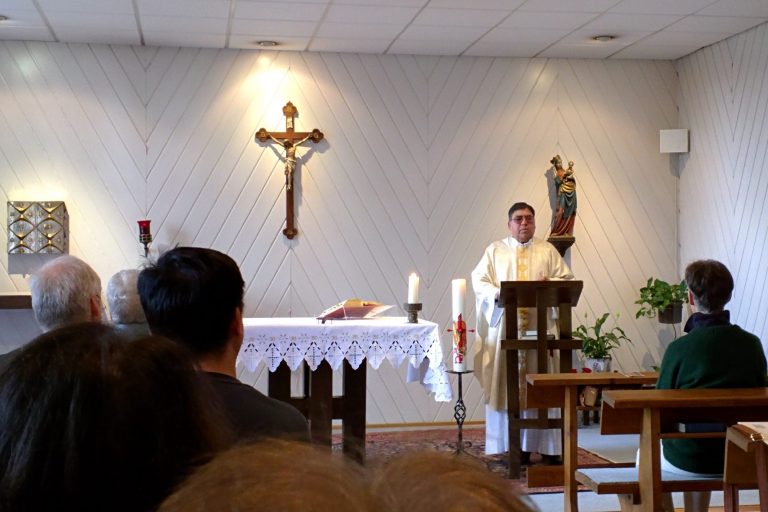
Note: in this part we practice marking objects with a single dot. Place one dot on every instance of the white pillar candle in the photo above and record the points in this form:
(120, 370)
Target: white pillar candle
(413, 289)
(458, 292)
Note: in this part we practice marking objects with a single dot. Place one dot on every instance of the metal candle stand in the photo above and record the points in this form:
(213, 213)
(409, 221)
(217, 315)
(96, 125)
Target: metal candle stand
(413, 311)
(460, 413)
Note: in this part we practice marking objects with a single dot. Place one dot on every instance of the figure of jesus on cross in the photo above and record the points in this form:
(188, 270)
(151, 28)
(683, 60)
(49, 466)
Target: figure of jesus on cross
(290, 140)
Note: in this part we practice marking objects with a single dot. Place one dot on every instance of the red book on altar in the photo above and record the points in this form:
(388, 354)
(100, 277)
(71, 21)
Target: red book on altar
(353, 308)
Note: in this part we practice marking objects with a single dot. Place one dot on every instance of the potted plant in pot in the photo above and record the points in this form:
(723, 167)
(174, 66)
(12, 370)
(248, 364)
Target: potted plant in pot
(597, 341)
(660, 298)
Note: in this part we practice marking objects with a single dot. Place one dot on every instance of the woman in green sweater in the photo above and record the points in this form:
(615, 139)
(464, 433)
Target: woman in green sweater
(713, 354)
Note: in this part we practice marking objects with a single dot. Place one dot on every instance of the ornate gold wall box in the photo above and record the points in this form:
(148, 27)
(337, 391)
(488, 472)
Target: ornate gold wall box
(38, 227)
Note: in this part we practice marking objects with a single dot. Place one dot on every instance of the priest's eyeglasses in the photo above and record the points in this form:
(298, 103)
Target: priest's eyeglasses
(520, 218)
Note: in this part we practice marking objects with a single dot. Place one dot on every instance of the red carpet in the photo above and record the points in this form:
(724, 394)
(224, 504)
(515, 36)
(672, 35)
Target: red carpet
(381, 446)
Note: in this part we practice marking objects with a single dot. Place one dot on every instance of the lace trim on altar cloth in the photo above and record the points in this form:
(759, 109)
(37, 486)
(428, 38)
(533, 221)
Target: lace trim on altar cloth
(376, 347)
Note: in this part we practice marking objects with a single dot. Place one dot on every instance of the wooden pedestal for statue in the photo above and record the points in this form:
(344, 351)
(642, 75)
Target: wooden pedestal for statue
(540, 295)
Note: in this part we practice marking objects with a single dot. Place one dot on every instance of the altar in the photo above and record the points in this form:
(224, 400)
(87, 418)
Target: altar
(287, 344)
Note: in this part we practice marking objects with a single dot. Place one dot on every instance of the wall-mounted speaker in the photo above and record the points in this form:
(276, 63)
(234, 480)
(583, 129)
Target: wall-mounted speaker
(673, 141)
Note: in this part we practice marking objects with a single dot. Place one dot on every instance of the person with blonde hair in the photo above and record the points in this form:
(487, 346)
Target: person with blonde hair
(296, 477)
(282, 475)
(443, 482)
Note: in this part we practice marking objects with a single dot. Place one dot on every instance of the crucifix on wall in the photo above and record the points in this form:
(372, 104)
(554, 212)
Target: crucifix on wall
(290, 140)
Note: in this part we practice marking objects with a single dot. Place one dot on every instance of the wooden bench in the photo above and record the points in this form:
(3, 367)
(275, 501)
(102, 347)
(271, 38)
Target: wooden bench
(624, 483)
(562, 390)
(654, 414)
(746, 466)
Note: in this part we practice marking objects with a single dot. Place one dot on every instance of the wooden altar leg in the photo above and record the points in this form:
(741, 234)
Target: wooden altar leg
(279, 383)
(513, 413)
(353, 415)
(321, 404)
(570, 448)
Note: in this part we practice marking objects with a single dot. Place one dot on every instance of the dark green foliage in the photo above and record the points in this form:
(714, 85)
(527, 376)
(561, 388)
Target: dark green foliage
(657, 295)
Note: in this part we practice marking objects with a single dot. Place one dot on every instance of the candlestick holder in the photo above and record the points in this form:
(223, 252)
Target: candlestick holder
(413, 311)
(460, 413)
(145, 236)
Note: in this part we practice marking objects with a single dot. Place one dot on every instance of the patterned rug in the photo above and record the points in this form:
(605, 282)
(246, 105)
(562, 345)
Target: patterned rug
(382, 446)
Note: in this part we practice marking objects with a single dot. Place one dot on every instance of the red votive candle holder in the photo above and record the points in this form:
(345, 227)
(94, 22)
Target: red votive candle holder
(144, 231)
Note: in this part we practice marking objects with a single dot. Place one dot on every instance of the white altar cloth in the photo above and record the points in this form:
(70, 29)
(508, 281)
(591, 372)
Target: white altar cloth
(295, 340)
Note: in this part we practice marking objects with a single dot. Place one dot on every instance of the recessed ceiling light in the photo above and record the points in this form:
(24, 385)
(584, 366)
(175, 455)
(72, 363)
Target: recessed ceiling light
(604, 39)
(267, 44)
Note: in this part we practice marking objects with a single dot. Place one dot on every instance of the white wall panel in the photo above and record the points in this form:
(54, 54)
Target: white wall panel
(422, 158)
(724, 179)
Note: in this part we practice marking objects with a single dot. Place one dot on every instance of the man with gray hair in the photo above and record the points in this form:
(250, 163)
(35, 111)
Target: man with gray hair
(64, 291)
(125, 309)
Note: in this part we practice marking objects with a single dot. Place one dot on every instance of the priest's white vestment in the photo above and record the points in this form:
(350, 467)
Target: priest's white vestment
(509, 260)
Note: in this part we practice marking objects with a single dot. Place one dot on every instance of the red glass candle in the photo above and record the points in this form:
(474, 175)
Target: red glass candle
(145, 236)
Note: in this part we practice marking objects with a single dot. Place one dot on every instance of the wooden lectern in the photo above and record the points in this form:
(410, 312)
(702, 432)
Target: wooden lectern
(541, 295)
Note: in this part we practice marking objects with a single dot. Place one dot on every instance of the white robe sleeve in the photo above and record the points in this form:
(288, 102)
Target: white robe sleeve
(485, 284)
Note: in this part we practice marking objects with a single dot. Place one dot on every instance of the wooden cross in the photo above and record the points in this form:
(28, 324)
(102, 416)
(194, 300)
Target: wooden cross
(289, 139)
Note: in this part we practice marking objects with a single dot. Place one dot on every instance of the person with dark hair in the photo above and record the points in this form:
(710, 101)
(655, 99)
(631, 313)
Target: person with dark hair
(194, 296)
(89, 422)
(518, 257)
(713, 354)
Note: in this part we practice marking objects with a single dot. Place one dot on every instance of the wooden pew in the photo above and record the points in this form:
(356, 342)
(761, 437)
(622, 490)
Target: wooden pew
(562, 390)
(654, 414)
(746, 466)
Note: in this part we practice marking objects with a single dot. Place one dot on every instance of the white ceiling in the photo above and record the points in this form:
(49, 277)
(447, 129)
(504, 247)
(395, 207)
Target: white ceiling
(660, 29)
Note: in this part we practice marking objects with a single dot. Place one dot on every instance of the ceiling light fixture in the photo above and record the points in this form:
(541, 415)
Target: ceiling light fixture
(267, 44)
(603, 39)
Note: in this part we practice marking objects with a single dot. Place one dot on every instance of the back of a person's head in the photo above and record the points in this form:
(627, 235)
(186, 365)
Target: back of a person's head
(61, 292)
(275, 475)
(89, 422)
(440, 482)
(711, 284)
(190, 295)
(123, 298)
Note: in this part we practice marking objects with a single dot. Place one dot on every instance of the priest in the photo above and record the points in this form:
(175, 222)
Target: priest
(518, 257)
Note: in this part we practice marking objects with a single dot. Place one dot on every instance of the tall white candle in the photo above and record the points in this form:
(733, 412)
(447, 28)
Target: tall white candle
(413, 289)
(458, 292)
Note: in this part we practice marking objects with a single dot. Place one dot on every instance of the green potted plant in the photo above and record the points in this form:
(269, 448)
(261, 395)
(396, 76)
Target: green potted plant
(660, 298)
(597, 342)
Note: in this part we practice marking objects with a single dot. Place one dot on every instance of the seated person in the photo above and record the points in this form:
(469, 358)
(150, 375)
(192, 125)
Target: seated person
(124, 305)
(296, 477)
(91, 423)
(195, 296)
(275, 475)
(65, 291)
(713, 354)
